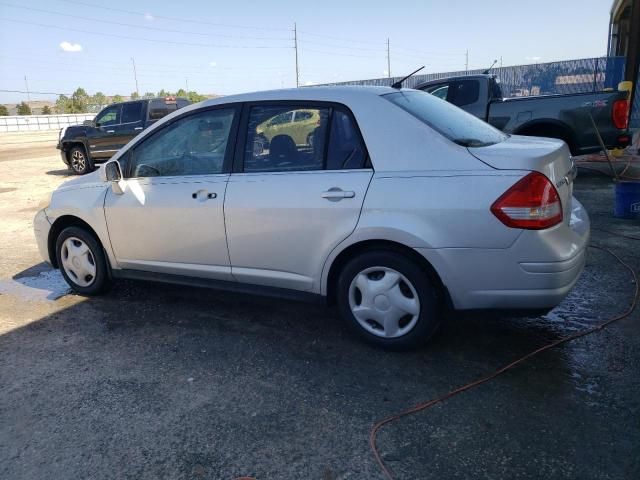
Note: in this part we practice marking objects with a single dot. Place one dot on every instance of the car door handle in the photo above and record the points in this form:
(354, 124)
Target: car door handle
(337, 194)
(138, 128)
(110, 131)
(202, 195)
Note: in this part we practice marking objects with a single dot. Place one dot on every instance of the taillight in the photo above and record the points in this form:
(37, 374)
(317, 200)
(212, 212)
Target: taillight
(532, 203)
(620, 114)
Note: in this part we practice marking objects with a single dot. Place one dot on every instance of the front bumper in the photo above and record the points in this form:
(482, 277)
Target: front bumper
(41, 228)
(536, 272)
(63, 154)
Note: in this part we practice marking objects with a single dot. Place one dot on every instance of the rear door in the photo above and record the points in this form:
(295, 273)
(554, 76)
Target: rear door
(131, 123)
(290, 203)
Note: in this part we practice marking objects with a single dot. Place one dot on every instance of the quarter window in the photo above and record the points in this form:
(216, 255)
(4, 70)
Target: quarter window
(346, 150)
(465, 92)
(439, 91)
(193, 145)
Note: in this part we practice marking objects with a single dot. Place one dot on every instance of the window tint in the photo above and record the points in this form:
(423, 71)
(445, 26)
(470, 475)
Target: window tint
(465, 92)
(346, 149)
(193, 145)
(131, 112)
(275, 143)
(109, 116)
(439, 91)
(449, 120)
(160, 107)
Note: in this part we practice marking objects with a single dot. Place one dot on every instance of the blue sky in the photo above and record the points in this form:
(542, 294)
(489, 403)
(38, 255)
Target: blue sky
(226, 47)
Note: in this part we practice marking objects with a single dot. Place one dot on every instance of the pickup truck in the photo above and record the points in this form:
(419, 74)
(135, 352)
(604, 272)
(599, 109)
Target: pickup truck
(82, 146)
(567, 117)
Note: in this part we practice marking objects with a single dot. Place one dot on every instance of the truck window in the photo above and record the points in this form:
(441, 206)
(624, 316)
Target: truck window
(465, 92)
(450, 121)
(109, 116)
(439, 91)
(132, 112)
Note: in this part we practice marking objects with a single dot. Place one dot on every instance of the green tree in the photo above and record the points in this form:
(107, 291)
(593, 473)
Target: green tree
(4, 112)
(63, 104)
(164, 93)
(181, 93)
(98, 100)
(117, 99)
(134, 95)
(149, 95)
(79, 101)
(24, 109)
(46, 110)
(195, 97)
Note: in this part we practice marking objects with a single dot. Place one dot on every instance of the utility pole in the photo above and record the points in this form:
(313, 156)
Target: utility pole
(500, 67)
(388, 59)
(135, 75)
(295, 45)
(466, 62)
(27, 88)
(186, 82)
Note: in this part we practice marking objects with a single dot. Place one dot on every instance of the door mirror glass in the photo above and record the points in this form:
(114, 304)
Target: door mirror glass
(112, 172)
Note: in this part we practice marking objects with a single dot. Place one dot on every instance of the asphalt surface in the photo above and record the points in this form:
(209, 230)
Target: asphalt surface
(153, 381)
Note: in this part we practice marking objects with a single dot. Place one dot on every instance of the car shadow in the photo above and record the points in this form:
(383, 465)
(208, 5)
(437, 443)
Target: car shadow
(61, 173)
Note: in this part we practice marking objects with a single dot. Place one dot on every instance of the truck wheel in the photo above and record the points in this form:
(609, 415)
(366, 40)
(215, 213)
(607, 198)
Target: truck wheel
(79, 161)
(387, 300)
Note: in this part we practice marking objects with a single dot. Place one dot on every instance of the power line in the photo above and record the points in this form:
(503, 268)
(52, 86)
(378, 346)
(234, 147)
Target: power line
(35, 93)
(173, 18)
(145, 27)
(127, 37)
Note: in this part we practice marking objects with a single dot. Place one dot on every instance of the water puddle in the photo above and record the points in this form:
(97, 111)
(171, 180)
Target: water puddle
(46, 286)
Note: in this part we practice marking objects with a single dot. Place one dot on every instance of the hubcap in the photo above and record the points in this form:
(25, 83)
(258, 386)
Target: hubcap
(78, 262)
(78, 161)
(384, 302)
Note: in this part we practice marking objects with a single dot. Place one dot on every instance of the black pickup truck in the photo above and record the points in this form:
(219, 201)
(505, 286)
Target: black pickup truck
(567, 117)
(82, 146)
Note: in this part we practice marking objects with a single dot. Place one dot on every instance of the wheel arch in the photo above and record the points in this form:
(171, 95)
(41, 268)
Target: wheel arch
(548, 127)
(58, 226)
(362, 246)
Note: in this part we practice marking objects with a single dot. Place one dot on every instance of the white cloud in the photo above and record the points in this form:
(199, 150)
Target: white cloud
(71, 47)
(148, 17)
(307, 84)
(213, 64)
(385, 72)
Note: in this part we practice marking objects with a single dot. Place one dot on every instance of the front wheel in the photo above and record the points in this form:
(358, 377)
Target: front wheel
(388, 300)
(79, 161)
(82, 261)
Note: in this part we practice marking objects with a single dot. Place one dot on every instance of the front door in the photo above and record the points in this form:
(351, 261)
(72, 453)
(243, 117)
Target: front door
(294, 201)
(170, 217)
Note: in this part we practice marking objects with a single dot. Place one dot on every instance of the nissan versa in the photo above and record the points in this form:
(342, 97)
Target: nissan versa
(396, 205)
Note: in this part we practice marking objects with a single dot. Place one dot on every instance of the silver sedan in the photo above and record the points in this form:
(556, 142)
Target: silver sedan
(389, 202)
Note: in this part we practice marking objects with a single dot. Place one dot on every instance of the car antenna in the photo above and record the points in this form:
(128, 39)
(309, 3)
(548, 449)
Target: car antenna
(398, 84)
(486, 72)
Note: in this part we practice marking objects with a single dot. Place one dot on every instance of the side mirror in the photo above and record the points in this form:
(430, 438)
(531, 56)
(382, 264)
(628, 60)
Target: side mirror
(112, 172)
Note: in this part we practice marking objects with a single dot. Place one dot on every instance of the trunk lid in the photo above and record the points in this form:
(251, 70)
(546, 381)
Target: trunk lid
(548, 156)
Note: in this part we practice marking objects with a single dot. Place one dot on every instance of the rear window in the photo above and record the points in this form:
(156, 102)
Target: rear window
(454, 123)
(161, 107)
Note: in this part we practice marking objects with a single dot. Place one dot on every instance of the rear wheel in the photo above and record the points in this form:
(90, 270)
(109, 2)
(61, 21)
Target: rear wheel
(82, 261)
(388, 300)
(79, 161)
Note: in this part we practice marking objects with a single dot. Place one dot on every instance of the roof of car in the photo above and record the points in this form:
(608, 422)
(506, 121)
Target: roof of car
(456, 77)
(330, 93)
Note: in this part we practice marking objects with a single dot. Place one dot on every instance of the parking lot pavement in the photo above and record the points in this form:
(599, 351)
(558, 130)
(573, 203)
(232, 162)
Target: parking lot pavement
(154, 381)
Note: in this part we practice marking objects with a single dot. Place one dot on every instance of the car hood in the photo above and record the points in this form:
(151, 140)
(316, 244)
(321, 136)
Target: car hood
(91, 180)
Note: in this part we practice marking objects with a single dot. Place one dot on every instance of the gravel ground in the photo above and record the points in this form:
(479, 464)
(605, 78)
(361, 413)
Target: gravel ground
(153, 381)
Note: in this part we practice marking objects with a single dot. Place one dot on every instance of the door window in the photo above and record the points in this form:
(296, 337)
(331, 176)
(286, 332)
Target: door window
(275, 143)
(193, 145)
(132, 112)
(440, 91)
(109, 116)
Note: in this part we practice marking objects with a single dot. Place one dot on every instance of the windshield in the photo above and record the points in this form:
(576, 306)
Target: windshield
(454, 123)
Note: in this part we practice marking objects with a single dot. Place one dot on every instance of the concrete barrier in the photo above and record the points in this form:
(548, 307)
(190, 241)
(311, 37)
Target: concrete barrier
(25, 123)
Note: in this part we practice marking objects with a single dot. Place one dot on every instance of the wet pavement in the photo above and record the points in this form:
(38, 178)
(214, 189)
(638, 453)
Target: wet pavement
(153, 381)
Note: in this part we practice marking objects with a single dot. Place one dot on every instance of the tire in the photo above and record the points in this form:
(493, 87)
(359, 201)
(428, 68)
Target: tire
(79, 161)
(401, 309)
(84, 269)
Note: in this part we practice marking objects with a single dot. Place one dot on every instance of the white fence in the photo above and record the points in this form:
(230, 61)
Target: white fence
(25, 123)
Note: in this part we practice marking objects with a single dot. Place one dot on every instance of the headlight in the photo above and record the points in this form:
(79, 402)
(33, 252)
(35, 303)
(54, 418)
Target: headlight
(46, 200)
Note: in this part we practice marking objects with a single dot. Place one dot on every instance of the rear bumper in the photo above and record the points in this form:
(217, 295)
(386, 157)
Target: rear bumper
(536, 272)
(41, 227)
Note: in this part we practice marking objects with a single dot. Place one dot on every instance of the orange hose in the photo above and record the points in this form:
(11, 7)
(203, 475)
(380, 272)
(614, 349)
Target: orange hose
(430, 403)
